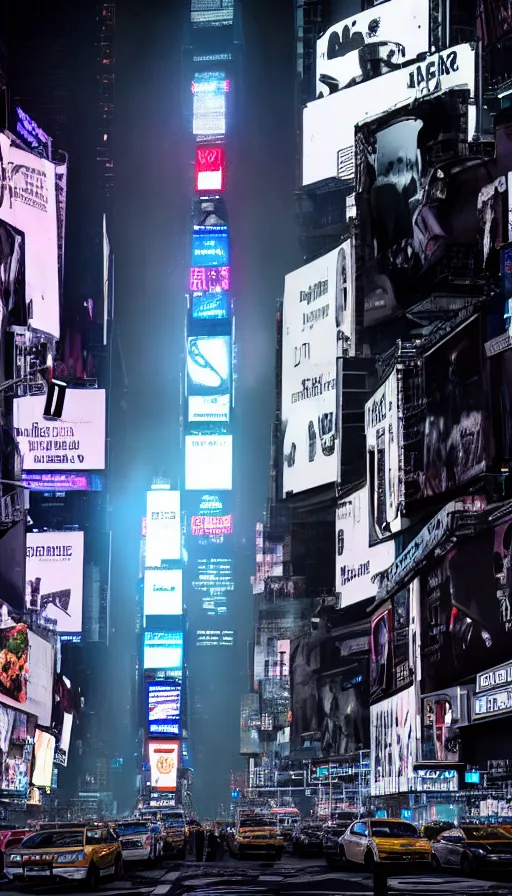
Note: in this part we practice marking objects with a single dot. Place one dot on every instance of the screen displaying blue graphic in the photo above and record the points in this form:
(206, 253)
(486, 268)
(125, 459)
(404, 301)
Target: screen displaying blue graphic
(210, 306)
(164, 650)
(210, 246)
(164, 705)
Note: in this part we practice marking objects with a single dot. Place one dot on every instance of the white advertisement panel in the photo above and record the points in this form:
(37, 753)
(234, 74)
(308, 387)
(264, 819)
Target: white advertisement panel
(164, 650)
(62, 748)
(368, 43)
(329, 123)
(209, 462)
(26, 672)
(163, 526)
(318, 314)
(44, 750)
(394, 739)
(76, 442)
(54, 579)
(163, 592)
(28, 203)
(383, 448)
(209, 378)
(163, 762)
(356, 562)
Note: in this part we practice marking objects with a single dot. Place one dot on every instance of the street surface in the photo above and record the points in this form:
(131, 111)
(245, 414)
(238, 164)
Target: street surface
(291, 876)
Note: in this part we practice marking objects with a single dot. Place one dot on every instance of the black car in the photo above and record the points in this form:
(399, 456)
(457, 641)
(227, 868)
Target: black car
(331, 841)
(307, 839)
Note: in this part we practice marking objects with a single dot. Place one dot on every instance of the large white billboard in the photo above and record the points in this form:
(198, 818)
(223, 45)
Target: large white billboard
(28, 204)
(163, 526)
(163, 592)
(76, 442)
(26, 672)
(163, 762)
(384, 451)
(318, 315)
(329, 123)
(209, 462)
(54, 579)
(356, 561)
(370, 43)
(394, 743)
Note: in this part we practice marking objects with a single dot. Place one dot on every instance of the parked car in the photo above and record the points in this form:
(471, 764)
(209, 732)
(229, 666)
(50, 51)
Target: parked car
(175, 836)
(74, 854)
(307, 839)
(331, 836)
(10, 838)
(140, 841)
(473, 847)
(391, 841)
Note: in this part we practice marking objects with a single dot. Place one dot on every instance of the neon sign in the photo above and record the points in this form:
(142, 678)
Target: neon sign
(209, 279)
(212, 525)
(210, 168)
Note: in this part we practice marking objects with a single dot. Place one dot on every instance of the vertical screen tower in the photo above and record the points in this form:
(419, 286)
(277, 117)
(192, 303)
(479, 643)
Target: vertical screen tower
(208, 410)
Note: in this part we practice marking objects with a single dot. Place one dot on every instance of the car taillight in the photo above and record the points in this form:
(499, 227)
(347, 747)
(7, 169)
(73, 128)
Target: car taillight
(147, 841)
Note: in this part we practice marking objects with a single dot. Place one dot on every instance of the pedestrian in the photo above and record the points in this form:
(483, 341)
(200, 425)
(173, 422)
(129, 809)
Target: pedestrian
(199, 844)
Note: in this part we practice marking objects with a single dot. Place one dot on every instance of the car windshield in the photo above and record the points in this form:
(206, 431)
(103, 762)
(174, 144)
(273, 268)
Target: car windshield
(134, 827)
(394, 829)
(57, 839)
(484, 832)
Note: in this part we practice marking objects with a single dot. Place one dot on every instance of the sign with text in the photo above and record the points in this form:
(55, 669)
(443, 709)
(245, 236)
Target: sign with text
(54, 579)
(163, 526)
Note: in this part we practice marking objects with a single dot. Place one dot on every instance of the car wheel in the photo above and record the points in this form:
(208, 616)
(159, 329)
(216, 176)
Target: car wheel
(118, 868)
(342, 856)
(93, 877)
(466, 865)
(434, 860)
(369, 861)
(279, 855)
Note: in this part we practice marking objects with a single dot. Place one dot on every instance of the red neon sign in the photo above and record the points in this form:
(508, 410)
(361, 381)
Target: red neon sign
(212, 525)
(210, 168)
(209, 279)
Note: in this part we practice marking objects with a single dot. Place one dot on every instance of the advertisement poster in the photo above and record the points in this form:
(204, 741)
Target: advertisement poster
(44, 749)
(250, 724)
(383, 456)
(163, 526)
(163, 592)
(305, 664)
(164, 650)
(12, 566)
(210, 245)
(209, 104)
(54, 579)
(318, 313)
(77, 441)
(209, 462)
(26, 672)
(394, 640)
(329, 123)
(210, 169)
(164, 704)
(28, 203)
(371, 43)
(62, 746)
(394, 743)
(356, 562)
(344, 720)
(163, 762)
(209, 378)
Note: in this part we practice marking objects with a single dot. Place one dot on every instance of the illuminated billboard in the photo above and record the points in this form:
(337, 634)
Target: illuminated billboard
(204, 279)
(383, 457)
(211, 13)
(209, 462)
(394, 743)
(318, 321)
(63, 482)
(356, 562)
(208, 378)
(210, 168)
(210, 245)
(76, 441)
(209, 104)
(44, 751)
(164, 650)
(163, 762)
(28, 204)
(54, 579)
(210, 306)
(367, 45)
(30, 690)
(163, 592)
(209, 211)
(163, 526)
(329, 123)
(210, 526)
(164, 704)
(215, 638)
(214, 577)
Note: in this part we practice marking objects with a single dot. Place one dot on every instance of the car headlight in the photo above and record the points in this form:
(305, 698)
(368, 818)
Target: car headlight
(478, 850)
(66, 858)
(14, 859)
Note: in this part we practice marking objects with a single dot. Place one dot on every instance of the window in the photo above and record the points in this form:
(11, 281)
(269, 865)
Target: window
(359, 829)
(57, 839)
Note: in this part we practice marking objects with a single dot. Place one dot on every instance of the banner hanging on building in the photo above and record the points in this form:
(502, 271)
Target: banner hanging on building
(54, 579)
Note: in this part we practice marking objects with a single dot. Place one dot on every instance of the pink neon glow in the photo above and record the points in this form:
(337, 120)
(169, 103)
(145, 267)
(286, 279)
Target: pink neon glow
(209, 279)
(212, 525)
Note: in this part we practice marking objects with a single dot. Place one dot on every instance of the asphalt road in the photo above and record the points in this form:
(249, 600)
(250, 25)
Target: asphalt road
(290, 877)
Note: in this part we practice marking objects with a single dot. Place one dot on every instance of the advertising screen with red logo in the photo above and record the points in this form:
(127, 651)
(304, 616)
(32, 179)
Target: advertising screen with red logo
(212, 525)
(210, 168)
(163, 762)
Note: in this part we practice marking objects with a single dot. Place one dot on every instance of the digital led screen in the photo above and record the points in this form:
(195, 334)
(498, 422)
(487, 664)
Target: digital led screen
(211, 13)
(210, 168)
(214, 577)
(210, 245)
(215, 638)
(209, 462)
(163, 762)
(205, 279)
(164, 650)
(209, 211)
(164, 704)
(29, 131)
(54, 579)
(209, 409)
(210, 306)
(209, 104)
(208, 378)
(163, 592)
(212, 525)
(44, 750)
(62, 482)
(163, 526)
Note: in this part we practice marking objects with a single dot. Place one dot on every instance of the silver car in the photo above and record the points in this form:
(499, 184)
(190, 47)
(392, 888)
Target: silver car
(139, 841)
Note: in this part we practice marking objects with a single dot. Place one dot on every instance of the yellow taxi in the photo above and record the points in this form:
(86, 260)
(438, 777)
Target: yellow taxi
(375, 841)
(87, 853)
(257, 834)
